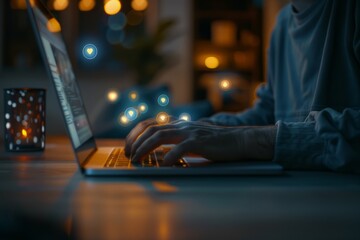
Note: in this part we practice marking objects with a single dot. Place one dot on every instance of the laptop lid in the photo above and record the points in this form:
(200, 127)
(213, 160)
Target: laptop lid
(57, 63)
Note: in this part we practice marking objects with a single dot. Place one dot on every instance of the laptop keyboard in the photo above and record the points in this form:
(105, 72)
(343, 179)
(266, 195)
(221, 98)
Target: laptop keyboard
(117, 158)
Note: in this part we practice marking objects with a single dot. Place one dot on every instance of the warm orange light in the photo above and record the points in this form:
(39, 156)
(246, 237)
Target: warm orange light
(53, 25)
(133, 95)
(225, 84)
(211, 62)
(139, 5)
(143, 107)
(86, 5)
(32, 3)
(112, 7)
(24, 133)
(162, 118)
(112, 96)
(60, 5)
(164, 187)
(18, 4)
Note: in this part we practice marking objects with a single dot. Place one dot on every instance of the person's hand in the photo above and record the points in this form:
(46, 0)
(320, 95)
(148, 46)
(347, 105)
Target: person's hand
(212, 142)
(137, 131)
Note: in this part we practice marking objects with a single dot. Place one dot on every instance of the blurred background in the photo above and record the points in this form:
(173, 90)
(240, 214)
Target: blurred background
(187, 58)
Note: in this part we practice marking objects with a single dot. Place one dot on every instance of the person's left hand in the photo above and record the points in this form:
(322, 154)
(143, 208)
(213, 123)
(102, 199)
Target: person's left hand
(212, 142)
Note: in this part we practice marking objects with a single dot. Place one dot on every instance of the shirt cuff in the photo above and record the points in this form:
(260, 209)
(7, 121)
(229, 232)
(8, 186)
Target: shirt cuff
(298, 146)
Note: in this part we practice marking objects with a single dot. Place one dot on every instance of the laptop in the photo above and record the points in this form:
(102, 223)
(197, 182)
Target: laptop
(111, 161)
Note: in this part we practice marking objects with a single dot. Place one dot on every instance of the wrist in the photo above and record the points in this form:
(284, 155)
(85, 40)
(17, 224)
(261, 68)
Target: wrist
(259, 142)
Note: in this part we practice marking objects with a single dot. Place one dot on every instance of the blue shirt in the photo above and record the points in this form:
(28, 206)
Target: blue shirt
(312, 91)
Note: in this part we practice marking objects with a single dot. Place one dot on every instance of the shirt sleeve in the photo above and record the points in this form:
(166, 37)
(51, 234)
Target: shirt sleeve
(357, 31)
(327, 140)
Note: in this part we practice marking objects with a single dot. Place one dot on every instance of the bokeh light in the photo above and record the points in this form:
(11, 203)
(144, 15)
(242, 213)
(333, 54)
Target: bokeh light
(143, 107)
(185, 117)
(163, 100)
(60, 5)
(53, 25)
(225, 84)
(112, 95)
(90, 51)
(211, 62)
(133, 95)
(112, 7)
(18, 4)
(131, 113)
(24, 133)
(162, 118)
(139, 5)
(86, 5)
(117, 22)
(123, 120)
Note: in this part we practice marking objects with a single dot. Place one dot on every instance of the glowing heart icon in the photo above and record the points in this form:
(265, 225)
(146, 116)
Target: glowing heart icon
(163, 100)
(89, 51)
(131, 113)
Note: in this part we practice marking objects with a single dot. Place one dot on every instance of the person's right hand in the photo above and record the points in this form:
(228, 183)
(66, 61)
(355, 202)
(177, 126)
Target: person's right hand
(188, 138)
(137, 131)
(215, 143)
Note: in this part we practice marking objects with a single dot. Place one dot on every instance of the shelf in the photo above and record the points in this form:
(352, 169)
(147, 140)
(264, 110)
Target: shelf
(209, 45)
(230, 31)
(230, 14)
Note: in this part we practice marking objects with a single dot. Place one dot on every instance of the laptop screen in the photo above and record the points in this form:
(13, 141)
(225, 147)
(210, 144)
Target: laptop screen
(48, 31)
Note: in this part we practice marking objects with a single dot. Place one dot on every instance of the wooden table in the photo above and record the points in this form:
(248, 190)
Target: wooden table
(43, 194)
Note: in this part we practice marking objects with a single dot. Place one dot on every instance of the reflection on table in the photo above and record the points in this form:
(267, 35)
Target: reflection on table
(44, 194)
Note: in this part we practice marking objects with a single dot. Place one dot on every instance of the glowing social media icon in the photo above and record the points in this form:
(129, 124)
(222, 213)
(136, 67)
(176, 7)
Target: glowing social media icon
(185, 117)
(143, 107)
(163, 100)
(131, 113)
(162, 118)
(90, 51)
